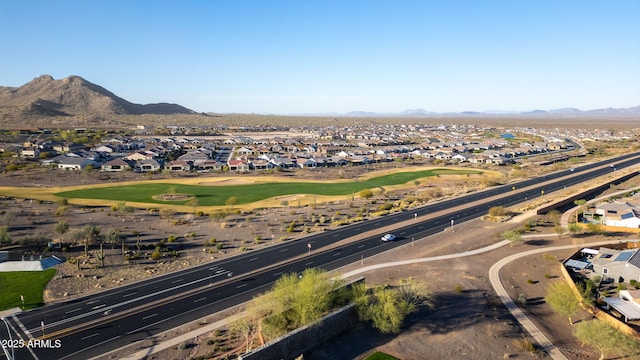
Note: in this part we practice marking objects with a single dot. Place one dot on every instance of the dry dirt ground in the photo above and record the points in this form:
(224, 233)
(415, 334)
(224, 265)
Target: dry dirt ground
(467, 324)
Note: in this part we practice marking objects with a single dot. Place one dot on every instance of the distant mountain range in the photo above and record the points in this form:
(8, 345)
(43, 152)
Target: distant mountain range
(72, 96)
(45, 98)
(632, 111)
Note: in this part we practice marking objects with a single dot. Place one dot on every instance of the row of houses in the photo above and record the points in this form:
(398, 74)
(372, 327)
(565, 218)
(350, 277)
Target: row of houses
(120, 153)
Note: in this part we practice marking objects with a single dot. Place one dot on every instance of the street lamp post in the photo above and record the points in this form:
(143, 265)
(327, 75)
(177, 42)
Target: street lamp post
(452, 225)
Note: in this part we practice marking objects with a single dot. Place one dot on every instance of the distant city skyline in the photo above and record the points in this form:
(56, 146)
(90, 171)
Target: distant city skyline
(294, 57)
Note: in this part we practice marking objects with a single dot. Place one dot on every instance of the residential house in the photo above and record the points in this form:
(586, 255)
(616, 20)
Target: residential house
(179, 165)
(238, 165)
(619, 265)
(620, 213)
(148, 165)
(117, 164)
(210, 165)
(73, 163)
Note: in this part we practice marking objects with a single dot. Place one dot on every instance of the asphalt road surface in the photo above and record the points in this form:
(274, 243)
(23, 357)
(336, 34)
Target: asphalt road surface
(94, 325)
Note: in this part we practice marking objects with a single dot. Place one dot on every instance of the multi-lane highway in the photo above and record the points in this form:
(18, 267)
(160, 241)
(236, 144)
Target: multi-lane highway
(97, 324)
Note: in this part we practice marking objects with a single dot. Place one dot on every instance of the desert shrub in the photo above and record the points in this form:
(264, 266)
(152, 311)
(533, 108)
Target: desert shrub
(497, 211)
(525, 345)
(458, 289)
(155, 255)
(522, 299)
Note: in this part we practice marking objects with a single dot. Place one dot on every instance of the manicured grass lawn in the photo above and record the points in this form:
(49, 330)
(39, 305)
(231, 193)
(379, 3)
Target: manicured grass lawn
(30, 284)
(218, 195)
(380, 356)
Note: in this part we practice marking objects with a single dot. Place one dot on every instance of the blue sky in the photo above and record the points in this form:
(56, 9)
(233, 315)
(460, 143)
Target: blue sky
(284, 57)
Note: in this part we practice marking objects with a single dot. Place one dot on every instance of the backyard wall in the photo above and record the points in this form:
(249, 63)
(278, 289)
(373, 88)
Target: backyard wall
(594, 310)
(306, 338)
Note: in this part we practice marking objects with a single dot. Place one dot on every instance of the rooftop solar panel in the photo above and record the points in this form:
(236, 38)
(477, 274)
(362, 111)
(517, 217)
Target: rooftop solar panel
(624, 256)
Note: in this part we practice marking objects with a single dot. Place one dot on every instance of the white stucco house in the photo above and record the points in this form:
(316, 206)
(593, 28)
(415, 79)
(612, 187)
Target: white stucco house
(622, 213)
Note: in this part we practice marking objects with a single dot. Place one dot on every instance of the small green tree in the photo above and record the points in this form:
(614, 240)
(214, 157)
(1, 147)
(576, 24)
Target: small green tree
(171, 191)
(5, 238)
(554, 216)
(595, 229)
(513, 236)
(562, 299)
(414, 292)
(193, 203)
(61, 228)
(386, 310)
(575, 228)
(166, 213)
(366, 193)
(559, 230)
(113, 237)
(90, 233)
(603, 336)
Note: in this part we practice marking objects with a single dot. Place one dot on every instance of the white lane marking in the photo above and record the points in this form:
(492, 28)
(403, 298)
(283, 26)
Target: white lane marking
(87, 348)
(176, 281)
(241, 286)
(129, 294)
(90, 336)
(253, 259)
(201, 299)
(337, 254)
(283, 250)
(309, 263)
(98, 307)
(361, 246)
(21, 326)
(149, 316)
(72, 311)
(278, 274)
(123, 303)
(92, 302)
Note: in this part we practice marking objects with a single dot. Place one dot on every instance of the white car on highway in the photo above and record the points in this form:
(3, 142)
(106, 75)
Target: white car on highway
(388, 237)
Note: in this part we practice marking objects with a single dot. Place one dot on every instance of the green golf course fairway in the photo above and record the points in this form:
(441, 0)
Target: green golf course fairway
(245, 194)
